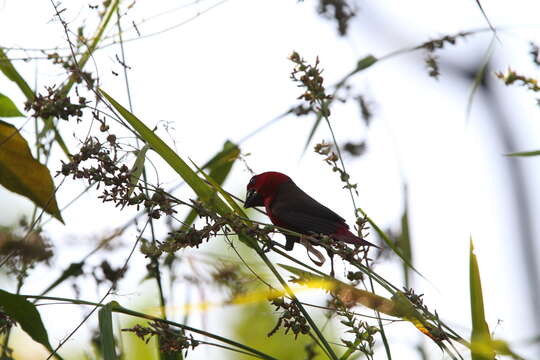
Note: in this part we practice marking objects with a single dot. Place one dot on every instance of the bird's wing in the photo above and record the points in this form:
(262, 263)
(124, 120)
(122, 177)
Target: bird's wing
(299, 212)
(305, 223)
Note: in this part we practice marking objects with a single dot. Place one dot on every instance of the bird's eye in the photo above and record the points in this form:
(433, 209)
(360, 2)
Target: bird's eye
(252, 181)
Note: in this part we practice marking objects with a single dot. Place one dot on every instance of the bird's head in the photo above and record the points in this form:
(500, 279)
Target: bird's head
(262, 187)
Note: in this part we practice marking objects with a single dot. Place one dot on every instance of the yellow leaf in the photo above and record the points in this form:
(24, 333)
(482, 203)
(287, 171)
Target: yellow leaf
(24, 175)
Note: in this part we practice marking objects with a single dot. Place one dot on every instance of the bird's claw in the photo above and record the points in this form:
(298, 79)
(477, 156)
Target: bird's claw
(269, 245)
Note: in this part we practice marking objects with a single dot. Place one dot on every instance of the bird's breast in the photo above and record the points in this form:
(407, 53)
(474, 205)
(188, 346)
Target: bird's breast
(272, 214)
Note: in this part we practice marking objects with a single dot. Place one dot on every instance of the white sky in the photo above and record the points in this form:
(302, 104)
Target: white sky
(226, 73)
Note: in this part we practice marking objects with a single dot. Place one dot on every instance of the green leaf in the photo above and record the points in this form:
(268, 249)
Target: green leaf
(525, 153)
(137, 168)
(481, 341)
(220, 166)
(364, 63)
(74, 270)
(487, 19)
(404, 240)
(106, 333)
(201, 188)
(163, 150)
(22, 174)
(26, 314)
(223, 193)
(8, 108)
(479, 78)
(11, 73)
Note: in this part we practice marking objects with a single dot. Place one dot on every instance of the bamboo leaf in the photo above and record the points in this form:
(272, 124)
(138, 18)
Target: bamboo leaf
(8, 108)
(480, 337)
(26, 314)
(106, 333)
(22, 174)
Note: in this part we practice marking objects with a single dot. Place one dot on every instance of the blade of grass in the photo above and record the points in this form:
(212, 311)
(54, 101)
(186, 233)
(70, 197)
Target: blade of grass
(190, 177)
(524, 153)
(106, 333)
(404, 239)
(479, 78)
(220, 190)
(480, 335)
(487, 19)
(137, 169)
(219, 166)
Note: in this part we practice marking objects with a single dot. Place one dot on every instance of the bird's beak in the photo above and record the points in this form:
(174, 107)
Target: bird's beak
(253, 199)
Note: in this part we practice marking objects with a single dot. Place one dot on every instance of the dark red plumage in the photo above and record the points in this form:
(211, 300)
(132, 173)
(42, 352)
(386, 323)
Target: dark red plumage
(289, 207)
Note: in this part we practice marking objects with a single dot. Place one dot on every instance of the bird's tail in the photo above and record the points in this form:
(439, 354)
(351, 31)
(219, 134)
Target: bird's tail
(348, 237)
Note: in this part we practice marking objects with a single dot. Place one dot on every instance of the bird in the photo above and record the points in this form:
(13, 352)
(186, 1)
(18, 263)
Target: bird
(289, 207)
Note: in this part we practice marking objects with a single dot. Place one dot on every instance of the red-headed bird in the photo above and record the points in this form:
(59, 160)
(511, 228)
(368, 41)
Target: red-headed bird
(291, 208)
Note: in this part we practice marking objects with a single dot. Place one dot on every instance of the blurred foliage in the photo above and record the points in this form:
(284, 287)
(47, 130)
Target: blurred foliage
(251, 325)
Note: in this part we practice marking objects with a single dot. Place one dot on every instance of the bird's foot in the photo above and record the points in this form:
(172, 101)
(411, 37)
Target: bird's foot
(269, 245)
